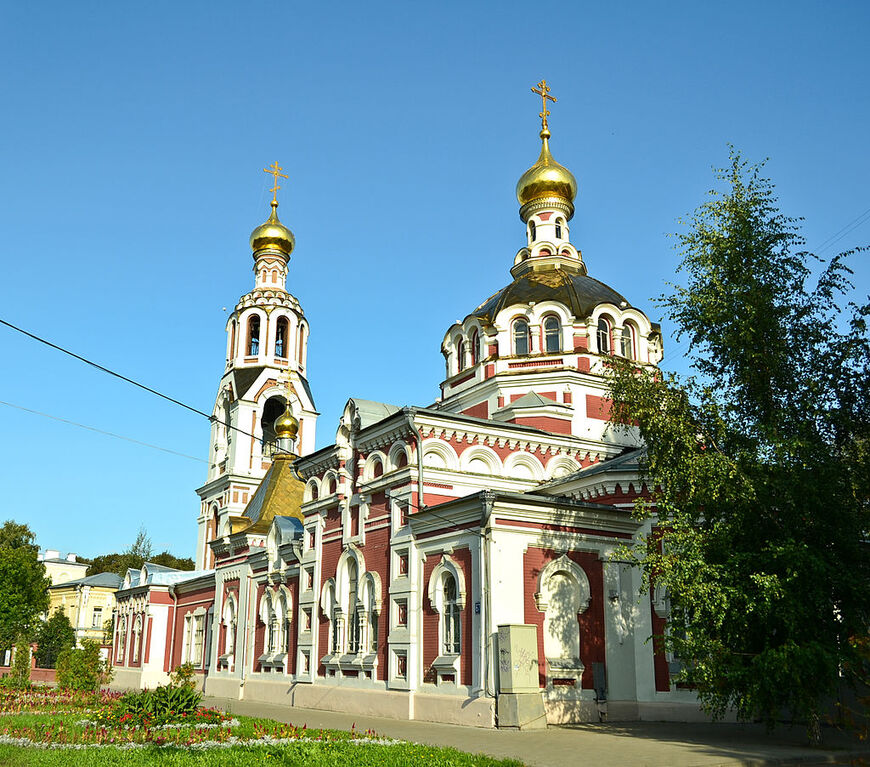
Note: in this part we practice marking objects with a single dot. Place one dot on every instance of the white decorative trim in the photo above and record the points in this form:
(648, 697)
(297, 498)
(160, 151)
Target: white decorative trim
(564, 565)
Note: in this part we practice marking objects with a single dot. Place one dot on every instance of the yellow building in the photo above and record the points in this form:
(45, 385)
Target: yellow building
(61, 569)
(87, 602)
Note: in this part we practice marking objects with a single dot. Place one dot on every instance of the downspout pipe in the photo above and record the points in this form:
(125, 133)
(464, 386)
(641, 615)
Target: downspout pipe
(174, 616)
(409, 414)
(488, 503)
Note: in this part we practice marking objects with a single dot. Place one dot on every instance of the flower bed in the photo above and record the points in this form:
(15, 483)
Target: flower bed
(39, 728)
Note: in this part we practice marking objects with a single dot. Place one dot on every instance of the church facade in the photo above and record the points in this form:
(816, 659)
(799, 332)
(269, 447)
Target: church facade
(455, 563)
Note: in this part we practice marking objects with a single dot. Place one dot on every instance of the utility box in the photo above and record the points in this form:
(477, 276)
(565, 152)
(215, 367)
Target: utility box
(520, 704)
(518, 658)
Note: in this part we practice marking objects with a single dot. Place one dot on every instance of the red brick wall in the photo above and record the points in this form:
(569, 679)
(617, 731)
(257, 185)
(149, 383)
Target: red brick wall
(377, 554)
(430, 636)
(481, 410)
(329, 563)
(546, 423)
(598, 407)
(259, 627)
(591, 622)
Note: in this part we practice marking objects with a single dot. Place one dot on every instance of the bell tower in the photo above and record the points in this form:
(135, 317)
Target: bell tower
(264, 379)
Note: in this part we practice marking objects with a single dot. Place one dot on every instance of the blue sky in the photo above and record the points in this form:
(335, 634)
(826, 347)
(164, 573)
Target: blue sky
(133, 142)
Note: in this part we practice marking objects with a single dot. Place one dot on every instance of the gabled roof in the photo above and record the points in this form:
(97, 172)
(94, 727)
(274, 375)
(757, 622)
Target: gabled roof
(104, 580)
(533, 399)
(279, 494)
(160, 575)
(244, 379)
(629, 460)
(369, 412)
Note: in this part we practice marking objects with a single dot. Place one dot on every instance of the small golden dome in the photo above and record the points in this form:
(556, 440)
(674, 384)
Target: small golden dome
(286, 426)
(273, 234)
(547, 178)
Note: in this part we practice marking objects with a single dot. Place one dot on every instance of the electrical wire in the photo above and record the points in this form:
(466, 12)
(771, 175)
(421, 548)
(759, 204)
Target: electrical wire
(128, 380)
(101, 431)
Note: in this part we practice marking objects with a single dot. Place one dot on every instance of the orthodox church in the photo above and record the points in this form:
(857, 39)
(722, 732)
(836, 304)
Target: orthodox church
(451, 563)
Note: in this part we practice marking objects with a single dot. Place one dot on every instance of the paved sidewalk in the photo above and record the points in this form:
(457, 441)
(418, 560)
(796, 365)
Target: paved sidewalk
(650, 744)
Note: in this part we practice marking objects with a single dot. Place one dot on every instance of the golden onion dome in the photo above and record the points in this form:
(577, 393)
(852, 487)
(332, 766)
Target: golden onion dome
(286, 426)
(547, 178)
(273, 234)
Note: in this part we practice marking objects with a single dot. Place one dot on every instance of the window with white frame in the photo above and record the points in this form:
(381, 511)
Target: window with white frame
(447, 597)
(552, 335)
(97, 618)
(229, 621)
(451, 635)
(603, 336)
(628, 344)
(122, 638)
(353, 619)
(475, 347)
(195, 636)
(522, 338)
(137, 634)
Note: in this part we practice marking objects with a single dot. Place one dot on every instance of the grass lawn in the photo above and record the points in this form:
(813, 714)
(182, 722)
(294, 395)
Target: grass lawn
(60, 731)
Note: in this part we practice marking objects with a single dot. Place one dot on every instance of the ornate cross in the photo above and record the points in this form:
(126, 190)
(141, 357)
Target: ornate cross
(275, 170)
(543, 90)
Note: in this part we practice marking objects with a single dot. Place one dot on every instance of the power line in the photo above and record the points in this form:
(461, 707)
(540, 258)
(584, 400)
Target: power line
(859, 220)
(125, 378)
(100, 431)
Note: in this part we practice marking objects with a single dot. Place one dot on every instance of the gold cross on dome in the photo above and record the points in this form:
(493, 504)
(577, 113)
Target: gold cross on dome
(275, 170)
(543, 90)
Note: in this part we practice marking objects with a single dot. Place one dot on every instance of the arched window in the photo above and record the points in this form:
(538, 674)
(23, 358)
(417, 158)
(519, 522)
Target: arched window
(403, 460)
(274, 275)
(450, 630)
(352, 617)
(628, 342)
(377, 468)
(532, 232)
(460, 354)
(330, 486)
(281, 333)
(122, 639)
(302, 344)
(137, 633)
(273, 407)
(475, 347)
(232, 339)
(522, 338)
(552, 335)
(559, 223)
(603, 336)
(283, 619)
(229, 621)
(254, 335)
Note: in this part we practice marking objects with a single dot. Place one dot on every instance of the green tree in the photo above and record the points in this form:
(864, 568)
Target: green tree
(142, 546)
(23, 585)
(52, 637)
(139, 552)
(760, 462)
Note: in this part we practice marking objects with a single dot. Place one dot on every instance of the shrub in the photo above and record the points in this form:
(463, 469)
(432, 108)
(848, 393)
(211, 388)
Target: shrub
(168, 704)
(82, 668)
(19, 675)
(183, 676)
